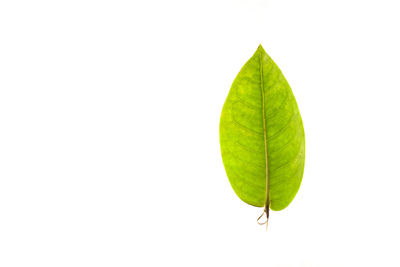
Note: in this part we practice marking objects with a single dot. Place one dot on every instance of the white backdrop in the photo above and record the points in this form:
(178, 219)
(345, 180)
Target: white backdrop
(109, 115)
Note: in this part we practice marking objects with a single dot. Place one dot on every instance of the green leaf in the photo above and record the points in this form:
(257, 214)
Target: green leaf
(262, 135)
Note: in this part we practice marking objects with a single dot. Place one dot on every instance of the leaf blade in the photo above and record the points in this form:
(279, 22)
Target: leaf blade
(262, 135)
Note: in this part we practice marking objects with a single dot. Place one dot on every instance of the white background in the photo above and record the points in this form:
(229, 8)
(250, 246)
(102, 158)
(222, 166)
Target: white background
(109, 147)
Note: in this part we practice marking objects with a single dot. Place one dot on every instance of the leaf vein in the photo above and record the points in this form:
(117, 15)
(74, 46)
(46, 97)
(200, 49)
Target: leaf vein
(245, 127)
(245, 161)
(283, 127)
(289, 161)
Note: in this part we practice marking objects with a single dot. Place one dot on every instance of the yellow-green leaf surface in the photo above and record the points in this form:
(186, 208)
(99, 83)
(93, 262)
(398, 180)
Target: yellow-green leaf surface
(262, 135)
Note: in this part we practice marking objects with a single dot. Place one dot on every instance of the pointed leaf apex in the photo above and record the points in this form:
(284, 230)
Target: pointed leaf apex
(260, 49)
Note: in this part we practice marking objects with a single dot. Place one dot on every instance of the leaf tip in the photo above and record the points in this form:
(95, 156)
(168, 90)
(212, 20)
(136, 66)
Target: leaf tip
(260, 49)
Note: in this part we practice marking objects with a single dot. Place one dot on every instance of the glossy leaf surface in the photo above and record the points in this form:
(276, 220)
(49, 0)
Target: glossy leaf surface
(262, 136)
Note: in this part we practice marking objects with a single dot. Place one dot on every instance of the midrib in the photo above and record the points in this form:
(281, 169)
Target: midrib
(266, 206)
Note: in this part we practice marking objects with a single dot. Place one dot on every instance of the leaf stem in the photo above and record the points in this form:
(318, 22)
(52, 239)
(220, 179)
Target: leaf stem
(266, 212)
